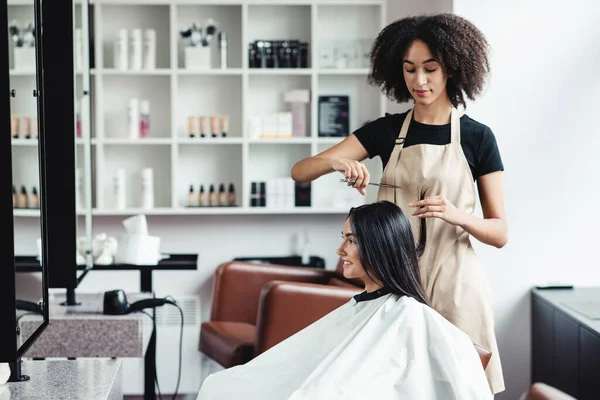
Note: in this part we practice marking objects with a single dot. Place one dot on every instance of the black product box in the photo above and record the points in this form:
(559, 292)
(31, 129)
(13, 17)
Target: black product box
(303, 194)
(334, 116)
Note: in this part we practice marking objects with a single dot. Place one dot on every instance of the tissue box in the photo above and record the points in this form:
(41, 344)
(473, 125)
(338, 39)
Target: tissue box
(24, 58)
(197, 57)
(138, 249)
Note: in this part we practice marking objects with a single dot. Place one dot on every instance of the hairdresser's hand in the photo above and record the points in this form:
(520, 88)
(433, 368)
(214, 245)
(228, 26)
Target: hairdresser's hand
(438, 207)
(354, 170)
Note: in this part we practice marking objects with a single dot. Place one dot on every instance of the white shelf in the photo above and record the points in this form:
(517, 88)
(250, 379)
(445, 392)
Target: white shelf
(196, 141)
(26, 212)
(279, 71)
(120, 72)
(24, 142)
(218, 211)
(212, 71)
(176, 93)
(136, 142)
(344, 71)
(306, 140)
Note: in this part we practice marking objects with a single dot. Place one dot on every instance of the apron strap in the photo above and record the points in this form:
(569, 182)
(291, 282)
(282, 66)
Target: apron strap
(455, 127)
(389, 173)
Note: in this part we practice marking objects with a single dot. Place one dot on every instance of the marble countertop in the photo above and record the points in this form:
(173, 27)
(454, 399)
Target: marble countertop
(85, 379)
(84, 331)
(569, 300)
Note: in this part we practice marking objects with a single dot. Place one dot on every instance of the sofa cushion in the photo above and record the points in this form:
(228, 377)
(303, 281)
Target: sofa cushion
(228, 343)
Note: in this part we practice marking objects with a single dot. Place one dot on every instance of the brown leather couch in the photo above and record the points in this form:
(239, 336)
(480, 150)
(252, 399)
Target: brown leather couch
(256, 306)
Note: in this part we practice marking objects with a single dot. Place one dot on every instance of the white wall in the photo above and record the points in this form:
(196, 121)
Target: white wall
(540, 103)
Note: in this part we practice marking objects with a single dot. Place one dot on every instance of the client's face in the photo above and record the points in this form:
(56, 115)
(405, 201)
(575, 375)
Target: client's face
(348, 251)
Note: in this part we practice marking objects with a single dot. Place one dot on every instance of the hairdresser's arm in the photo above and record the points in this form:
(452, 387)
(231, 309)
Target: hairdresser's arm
(491, 229)
(344, 157)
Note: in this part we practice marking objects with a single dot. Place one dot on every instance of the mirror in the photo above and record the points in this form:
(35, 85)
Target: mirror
(83, 136)
(24, 78)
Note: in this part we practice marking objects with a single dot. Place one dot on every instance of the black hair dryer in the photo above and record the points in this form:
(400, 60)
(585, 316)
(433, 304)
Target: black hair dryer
(115, 302)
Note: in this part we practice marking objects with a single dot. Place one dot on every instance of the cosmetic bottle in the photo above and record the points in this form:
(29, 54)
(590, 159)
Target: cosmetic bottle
(201, 197)
(35, 199)
(262, 195)
(27, 127)
(203, 126)
(78, 188)
(23, 199)
(144, 118)
(78, 49)
(224, 126)
(231, 195)
(192, 126)
(119, 191)
(34, 128)
(222, 195)
(223, 49)
(147, 188)
(149, 49)
(78, 118)
(121, 50)
(253, 194)
(135, 60)
(14, 197)
(214, 125)
(191, 197)
(14, 127)
(134, 118)
(212, 196)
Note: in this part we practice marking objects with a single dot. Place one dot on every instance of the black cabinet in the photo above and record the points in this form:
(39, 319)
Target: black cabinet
(565, 348)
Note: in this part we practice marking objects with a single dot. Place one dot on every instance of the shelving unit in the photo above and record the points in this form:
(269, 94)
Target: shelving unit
(175, 93)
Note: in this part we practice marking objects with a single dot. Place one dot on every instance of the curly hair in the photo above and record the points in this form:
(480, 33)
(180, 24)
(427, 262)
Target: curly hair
(457, 44)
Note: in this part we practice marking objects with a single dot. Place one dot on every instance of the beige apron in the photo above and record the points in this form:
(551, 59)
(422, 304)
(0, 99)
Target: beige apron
(450, 271)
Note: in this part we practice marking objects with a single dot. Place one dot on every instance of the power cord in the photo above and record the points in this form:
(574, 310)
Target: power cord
(139, 306)
(155, 372)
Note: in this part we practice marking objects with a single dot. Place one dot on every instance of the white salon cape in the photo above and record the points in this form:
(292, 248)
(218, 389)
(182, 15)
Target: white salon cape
(377, 345)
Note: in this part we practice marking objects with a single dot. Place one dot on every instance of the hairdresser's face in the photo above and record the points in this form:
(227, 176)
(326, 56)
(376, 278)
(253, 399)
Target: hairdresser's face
(348, 251)
(423, 74)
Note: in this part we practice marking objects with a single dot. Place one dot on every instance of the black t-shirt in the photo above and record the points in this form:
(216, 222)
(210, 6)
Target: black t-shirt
(477, 140)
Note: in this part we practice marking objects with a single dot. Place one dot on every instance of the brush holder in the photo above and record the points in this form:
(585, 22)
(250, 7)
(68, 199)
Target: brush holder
(24, 58)
(197, 57)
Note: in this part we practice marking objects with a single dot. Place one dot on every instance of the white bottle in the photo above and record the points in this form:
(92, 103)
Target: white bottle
(135, 60)
(119, 190)
(150, 49)
(78, 49)
(147, 188)
(134, 118)
(121, 50)
(78, 192)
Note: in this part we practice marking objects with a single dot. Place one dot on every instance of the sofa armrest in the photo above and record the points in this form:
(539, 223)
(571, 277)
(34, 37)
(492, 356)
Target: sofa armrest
(237, 286)
(287, 307)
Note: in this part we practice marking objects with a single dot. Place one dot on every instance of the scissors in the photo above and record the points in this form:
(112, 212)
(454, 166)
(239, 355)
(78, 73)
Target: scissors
(387, 185)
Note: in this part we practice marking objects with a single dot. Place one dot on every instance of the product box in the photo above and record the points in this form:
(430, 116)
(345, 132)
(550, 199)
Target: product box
(334, 116)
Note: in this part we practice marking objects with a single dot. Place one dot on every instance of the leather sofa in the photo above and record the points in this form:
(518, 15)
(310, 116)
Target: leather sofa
(256, 306)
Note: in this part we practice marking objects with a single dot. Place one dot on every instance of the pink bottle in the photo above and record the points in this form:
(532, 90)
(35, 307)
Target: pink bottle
(144, 118)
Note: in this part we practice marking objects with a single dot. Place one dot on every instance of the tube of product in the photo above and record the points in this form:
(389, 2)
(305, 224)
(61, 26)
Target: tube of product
(147, 188)
(136, 50)
(223, 49)
(214, 125)
(192, 126)
(203, 126)
(134, 118)
(150, 49)
(14, 127)
(27, 127)
(119, 191)
(224, 126)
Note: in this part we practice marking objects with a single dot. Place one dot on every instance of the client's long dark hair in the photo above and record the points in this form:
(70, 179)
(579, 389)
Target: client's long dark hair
(387, 249)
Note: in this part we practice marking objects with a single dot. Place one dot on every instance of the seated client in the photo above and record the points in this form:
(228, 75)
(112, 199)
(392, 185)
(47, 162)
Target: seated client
(385, 343)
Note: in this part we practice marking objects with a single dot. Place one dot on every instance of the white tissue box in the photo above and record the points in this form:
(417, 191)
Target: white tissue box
(197, 57)
(24, 58)
(138, 249)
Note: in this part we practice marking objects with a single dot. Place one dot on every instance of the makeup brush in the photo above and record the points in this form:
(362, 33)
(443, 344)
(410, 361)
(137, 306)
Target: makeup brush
(211, 30)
